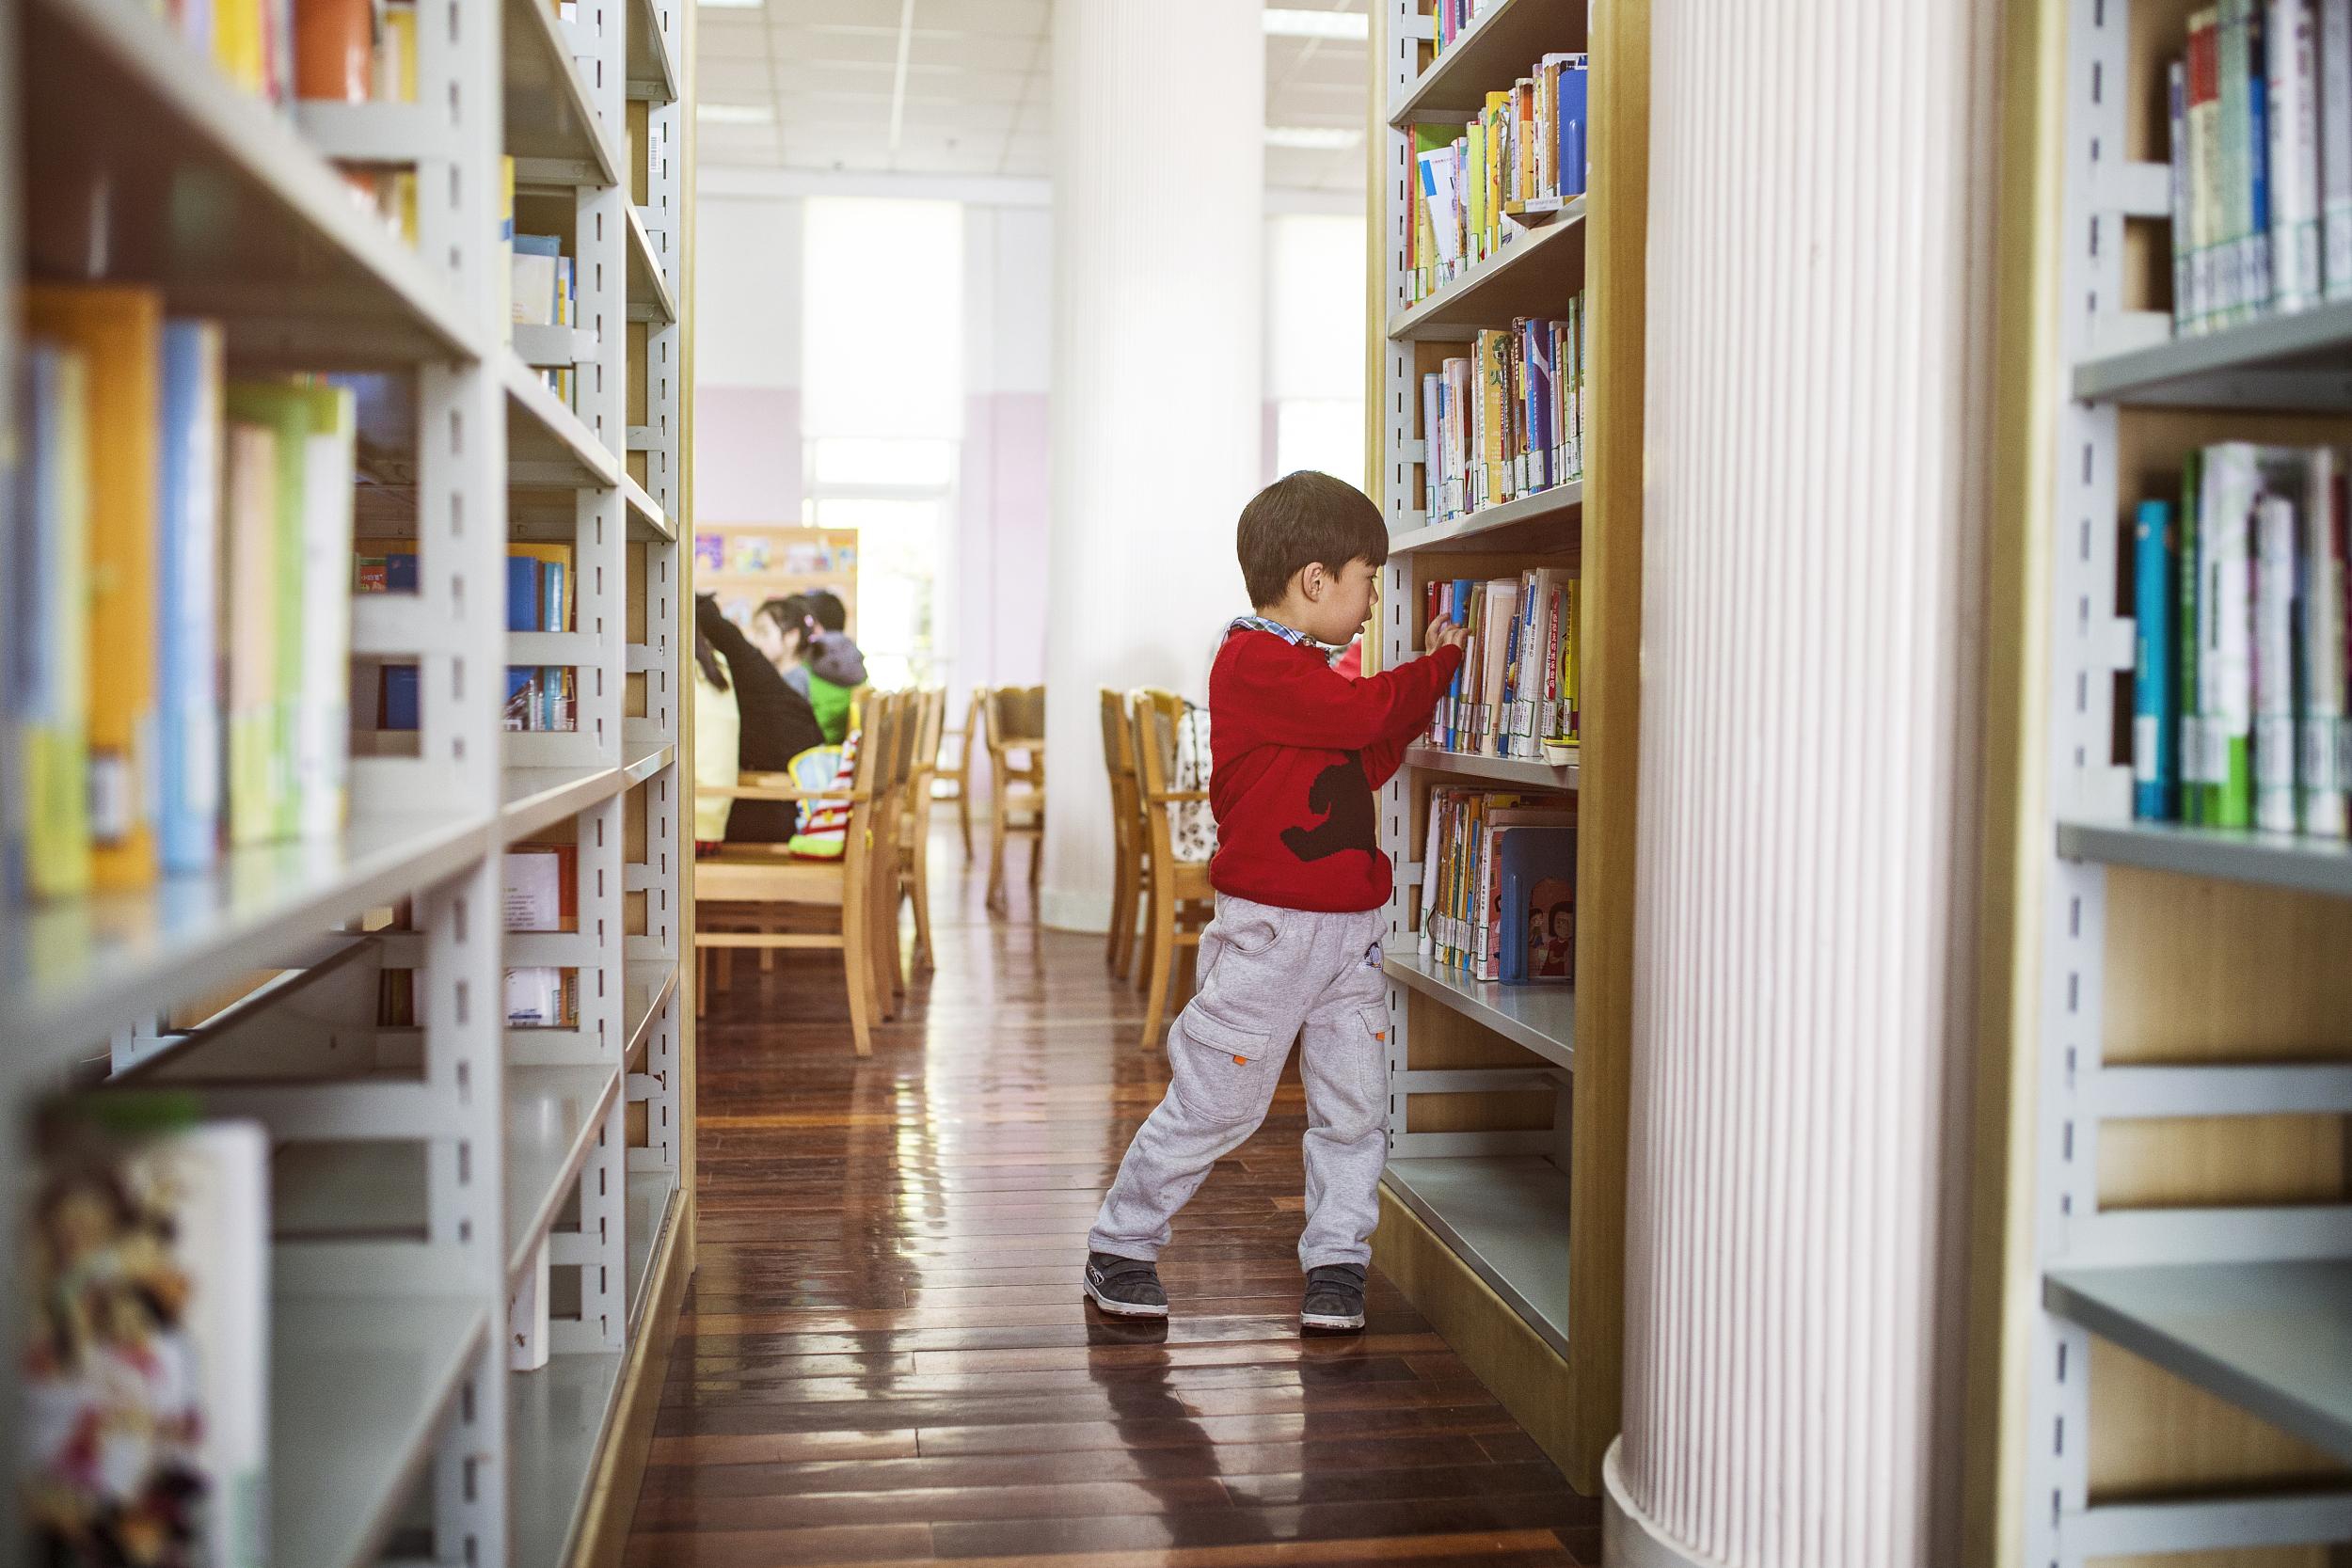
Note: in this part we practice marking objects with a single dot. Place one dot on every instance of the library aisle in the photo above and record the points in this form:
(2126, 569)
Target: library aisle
(885, 1356)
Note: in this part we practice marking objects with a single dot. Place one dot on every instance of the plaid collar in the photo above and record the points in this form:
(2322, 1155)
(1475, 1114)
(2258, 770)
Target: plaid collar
(1258, 623)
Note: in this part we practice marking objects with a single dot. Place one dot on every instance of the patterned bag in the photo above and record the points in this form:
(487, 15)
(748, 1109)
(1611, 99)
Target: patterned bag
(824, 830)
(1192, 826)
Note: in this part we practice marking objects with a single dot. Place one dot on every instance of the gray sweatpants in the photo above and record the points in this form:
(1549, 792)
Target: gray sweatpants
(1265, 973)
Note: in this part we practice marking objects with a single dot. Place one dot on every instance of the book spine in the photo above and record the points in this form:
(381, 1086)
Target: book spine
(2152, 706)
(2190, 723)
(50, 661)
(2259, 286)
(2183, 248)
(2274, 740)
(2320, 656)
(252, 625)
(322, 757)
(2335, 146)
(2294, 116)
(2235, 188)
(2226, 661)
(2206, 217)
(1424, 940)
(189, 631)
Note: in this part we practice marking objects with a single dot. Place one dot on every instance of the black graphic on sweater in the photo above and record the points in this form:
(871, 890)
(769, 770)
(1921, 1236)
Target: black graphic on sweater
(1352, 823)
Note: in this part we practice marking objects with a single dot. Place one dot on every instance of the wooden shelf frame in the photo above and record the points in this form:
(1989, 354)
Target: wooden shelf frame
(1562, 1353)
(393, 1357)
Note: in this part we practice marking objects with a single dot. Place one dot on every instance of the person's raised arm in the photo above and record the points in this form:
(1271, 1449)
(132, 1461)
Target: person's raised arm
(1298, 703)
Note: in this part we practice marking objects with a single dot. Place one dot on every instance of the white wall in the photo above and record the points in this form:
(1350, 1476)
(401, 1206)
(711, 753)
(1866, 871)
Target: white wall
(1008, 266)
(747, 360)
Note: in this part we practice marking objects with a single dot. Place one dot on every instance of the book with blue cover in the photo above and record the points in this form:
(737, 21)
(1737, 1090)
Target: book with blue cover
(400, 697)
(522, 594)
(2154, 746)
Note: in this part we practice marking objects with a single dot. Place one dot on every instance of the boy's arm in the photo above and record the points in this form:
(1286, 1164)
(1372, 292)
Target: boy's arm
(1296, 703)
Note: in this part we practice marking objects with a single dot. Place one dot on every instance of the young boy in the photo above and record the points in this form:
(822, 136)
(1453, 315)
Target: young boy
(1297, 752)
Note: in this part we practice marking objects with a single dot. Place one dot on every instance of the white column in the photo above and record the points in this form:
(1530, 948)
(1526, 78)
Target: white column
(1820, 267)
(1158, 173)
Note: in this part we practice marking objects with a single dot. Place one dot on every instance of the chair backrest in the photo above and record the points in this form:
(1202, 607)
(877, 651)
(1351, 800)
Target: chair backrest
(1154, 729)
(912, 718)
(1016, 720)
(1119, 754)
(1118, 760)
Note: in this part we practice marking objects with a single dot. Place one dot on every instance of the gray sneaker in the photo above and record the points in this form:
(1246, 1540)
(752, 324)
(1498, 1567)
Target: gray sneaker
(1335, 1297)
(1127, 1285)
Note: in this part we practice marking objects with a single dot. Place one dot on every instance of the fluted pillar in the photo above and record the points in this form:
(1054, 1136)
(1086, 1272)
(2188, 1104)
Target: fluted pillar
(1820, 313)
(1159, 167)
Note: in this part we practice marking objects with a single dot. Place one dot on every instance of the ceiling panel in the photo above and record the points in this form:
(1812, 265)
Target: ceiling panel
(978, 97)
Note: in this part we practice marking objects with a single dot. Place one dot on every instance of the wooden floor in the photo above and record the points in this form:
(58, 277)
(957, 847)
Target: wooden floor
(885, 1356)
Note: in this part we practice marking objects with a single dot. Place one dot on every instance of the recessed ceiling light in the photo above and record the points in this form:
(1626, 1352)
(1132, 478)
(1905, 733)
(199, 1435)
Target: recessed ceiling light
(1353, 27)
(1314, 138)
(735, 114)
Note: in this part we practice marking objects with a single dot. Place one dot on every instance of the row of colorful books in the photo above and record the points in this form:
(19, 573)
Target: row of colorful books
(2260, 112)
(1516, 688)
(1453, 16)
(182, 606)
(2239, 596)
(1525, 151)
(1497, 892)
(344, 50)
(1508, 420)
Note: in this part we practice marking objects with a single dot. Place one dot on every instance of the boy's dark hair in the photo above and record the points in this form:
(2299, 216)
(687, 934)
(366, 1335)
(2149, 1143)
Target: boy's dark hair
(826, 607)
(1304, 519)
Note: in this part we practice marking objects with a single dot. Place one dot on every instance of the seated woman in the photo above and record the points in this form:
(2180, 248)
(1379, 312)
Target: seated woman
(777, 724)
(803, 634)
(717, 727)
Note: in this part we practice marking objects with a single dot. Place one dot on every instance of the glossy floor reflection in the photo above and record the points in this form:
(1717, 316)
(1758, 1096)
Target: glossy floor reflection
(885, 1358)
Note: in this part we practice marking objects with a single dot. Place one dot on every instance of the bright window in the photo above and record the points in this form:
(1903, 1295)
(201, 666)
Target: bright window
(882, 389)
(1315, 348)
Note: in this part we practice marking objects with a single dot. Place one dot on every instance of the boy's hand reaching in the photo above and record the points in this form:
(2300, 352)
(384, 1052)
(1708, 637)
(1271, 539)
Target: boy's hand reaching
(1443, 633)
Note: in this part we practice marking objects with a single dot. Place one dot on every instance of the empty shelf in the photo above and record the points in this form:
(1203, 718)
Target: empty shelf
(358, 1386)
(1507, 1218)
(2275, 1338)
(555, 1421)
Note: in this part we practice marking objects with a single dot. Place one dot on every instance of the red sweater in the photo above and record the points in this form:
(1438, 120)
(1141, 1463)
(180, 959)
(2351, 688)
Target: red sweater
(1297, 750)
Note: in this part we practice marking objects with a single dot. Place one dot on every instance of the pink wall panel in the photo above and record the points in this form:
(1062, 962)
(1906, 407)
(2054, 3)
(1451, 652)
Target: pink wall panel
(747, 454)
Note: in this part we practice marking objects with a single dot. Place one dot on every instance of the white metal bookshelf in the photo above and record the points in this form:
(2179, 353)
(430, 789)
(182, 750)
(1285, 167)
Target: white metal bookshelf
(416, 1194)
(1498, 1200)
(2249, 1304)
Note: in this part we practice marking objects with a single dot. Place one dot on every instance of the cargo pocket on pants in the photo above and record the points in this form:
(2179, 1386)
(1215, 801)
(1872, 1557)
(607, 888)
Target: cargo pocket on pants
(1375, 1075)
(1223, 1068)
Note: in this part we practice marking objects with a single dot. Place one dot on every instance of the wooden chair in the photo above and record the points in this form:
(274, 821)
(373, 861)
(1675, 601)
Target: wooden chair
(766, 883)
(914, 832)
(1130, 866)
(1173, 885)
(1016, 722)
(954, 782)
(891, 716)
